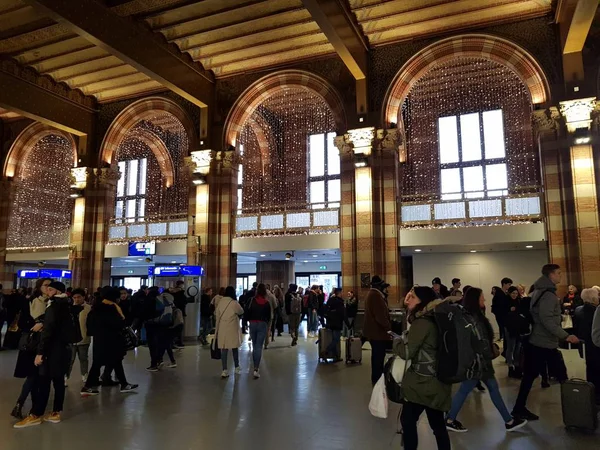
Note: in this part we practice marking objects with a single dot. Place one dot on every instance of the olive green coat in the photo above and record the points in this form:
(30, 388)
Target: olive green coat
(422, 343)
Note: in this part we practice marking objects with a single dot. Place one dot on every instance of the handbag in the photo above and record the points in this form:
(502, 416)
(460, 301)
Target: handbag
(566, 322)
(131, 339)
(215, 351)
(29, 341)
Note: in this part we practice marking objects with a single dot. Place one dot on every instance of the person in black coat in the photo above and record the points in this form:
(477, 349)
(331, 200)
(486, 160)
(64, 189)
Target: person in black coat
(105, 324)
(335, 321)
(582, 322)
(53, 356)
(500, 305)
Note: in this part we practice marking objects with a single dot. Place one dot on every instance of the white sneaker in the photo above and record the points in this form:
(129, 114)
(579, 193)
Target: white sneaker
(224, 374)
(256, 374)
(238, 370)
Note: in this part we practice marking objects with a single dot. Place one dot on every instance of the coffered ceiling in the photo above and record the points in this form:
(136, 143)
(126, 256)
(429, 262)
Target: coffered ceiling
(225, 37)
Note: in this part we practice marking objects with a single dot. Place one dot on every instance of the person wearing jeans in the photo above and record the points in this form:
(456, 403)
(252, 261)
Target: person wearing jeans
(80, 349)
(335, 322)
(259, 316)
(228, 332)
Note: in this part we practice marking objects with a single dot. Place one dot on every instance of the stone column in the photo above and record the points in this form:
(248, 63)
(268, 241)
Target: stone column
(221, 265)
(8, 189)
(369, 219)
(199, 164)
(276, 273)
(89, 227)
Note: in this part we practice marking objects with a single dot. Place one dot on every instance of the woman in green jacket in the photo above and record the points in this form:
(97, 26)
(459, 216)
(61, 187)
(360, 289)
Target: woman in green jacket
(422, 390)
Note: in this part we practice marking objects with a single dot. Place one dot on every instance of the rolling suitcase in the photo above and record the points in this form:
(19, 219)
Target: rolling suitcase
(325, 337)
(578, 398)
(353, 350)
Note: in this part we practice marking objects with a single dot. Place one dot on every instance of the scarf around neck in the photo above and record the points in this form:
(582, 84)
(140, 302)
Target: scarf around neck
(119, 310)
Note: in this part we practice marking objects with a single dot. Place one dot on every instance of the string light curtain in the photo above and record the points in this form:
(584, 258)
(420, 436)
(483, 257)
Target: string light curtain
(275, 148)
(42, 211)
(160, 200)
(461, 86)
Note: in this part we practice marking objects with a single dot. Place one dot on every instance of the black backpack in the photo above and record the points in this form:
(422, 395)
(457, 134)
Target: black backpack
(460, 352)
(71, 330)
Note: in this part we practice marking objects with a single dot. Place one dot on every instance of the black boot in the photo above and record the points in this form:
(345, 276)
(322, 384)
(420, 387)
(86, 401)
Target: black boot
(17, 412)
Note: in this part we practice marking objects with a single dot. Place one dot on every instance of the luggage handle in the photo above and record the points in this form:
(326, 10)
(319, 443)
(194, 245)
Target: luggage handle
(582, 342)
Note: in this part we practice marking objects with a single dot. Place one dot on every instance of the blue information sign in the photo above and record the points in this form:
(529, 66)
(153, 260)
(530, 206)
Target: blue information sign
(191, 271)
(142, 248)
(175, 271)
(54, 273)
(27, 274)
(166, 271)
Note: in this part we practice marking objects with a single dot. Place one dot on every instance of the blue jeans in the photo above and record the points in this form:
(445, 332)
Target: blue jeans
(258, 334)
(513, 347)
(465, 389)
(225, 354)
(333, 345)
(313, 322)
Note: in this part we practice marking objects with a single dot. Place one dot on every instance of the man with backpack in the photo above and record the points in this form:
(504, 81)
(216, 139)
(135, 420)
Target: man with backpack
(293, 308)
(156, 327)
(546, 333)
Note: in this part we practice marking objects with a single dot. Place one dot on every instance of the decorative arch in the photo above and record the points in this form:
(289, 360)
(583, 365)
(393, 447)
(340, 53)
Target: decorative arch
(266, 86)
(160, 151)
(26, 140)
(485, 46)
(142, 110)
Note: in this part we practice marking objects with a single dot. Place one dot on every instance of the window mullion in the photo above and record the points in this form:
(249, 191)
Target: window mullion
(460, 160)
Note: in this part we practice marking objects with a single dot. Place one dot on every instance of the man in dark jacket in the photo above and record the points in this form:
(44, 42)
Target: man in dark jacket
(206, 312)
(180, 301)
(546, 333)
(335, 322)
(350, 315)
(377, 324)
(501, 305)
(313, 308)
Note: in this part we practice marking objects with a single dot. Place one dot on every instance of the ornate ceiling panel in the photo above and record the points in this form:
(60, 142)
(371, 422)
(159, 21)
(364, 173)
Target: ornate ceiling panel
(228, 37)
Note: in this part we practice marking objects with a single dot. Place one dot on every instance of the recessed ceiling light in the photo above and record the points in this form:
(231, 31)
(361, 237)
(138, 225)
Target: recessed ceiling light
(305, 262)
(473, 251)
(314, 256)
(529, 246)
(173, 262)
(262, 256)
(418, 250)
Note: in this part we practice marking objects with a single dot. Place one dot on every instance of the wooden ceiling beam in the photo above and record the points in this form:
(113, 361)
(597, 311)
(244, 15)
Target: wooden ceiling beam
(133, 44)
(339, 26)
(580, 25)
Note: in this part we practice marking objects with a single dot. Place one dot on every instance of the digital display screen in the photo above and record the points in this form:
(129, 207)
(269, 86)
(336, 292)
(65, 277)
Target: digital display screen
(27, 274)
(54, 273)
(142, 248)
(191, 271)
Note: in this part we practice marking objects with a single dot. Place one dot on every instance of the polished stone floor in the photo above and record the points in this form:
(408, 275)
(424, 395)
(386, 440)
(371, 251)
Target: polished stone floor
(297, 404)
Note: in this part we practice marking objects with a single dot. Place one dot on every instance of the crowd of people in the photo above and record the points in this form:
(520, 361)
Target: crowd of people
(532, 324)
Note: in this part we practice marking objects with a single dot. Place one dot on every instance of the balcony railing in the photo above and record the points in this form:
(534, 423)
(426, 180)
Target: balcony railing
(287, 220)
(471, 212)
(163, 227)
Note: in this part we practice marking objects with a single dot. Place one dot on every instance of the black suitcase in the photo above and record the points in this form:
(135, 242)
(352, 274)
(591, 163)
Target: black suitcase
(578, 398)
(354, 350)
(325, 338)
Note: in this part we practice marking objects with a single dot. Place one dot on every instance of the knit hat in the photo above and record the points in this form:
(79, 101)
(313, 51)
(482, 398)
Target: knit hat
(60, 287)
(425, 294)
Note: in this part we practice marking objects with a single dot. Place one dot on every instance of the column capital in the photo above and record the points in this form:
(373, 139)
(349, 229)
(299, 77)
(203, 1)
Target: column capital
(199, 161)
(578, 113)
(108, 176)
(227, 158)
(359, 140)
(546, 120)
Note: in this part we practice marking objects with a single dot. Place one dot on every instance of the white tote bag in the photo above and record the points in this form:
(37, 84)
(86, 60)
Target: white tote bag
(379, 401)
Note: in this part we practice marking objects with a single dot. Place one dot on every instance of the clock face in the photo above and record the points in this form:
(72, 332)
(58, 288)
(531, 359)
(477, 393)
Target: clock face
(365, 279)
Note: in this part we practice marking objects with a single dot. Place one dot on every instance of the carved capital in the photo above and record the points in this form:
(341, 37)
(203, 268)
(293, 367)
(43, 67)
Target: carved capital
(199, 161)
(108, 176)
(80, 176)
(358, 141)
(545, 120)
(578, 113)
(227, 158)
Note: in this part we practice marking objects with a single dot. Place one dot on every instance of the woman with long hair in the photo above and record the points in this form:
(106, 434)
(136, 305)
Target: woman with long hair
(474, 303)
(259, 316)
(228, 331)
(30, 321)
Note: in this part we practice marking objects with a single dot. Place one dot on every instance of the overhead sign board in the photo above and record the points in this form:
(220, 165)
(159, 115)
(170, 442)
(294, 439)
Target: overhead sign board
(142, 248)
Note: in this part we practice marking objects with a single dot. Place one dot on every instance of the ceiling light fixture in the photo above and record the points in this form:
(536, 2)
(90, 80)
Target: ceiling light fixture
(314, 256)
(529, 246)
(473, 251)
(305, 262)
(418, 250)
(262, 256)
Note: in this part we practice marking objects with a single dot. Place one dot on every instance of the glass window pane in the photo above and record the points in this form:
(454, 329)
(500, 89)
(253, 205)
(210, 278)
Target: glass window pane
(239, 199)
(333, 156)
(473, 179)
(450, 181)
(317, 155)
(119, 209)
(132, 179)
(317, 191)
(241, 149)
(495, 177)
(451, 196)
(448, 138)
(474, 195)
(143, 174)
(121, 182)
(240, 175)
(470, 137)
(142, 212)
(130, 210)
(493, 134)
(333, 191)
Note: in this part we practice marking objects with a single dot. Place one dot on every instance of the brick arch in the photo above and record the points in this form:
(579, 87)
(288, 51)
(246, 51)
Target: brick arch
(160, 152)
(143, 110)
(26, 141)
(469, 46)
(262, 89)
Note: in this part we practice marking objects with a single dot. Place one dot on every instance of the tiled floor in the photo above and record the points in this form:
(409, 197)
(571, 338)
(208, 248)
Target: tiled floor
(297, 404)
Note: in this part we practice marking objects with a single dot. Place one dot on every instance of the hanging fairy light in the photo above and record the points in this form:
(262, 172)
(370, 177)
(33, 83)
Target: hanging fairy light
(459, 86)
(275, 142)
(41, 213)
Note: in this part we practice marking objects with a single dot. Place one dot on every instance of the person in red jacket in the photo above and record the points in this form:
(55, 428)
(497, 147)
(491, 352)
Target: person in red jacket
(377, 324)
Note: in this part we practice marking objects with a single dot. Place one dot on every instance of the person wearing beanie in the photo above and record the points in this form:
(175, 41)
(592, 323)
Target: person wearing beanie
(53, 357)
(377, 324)
(423, 391)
